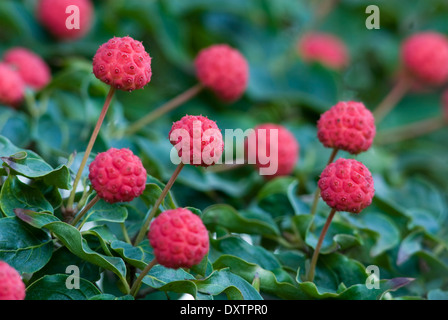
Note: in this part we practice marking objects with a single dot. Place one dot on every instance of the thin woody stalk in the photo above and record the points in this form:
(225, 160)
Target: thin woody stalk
(165, 108)
(410, 131)
(391, 99)
(319, 245)
(317, 192)
(89, 148)
(159, 201)
(137, 283)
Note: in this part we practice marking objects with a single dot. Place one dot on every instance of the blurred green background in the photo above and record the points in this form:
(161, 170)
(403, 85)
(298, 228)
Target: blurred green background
(410, 176)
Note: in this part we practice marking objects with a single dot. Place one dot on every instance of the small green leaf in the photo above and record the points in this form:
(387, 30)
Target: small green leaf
(16, 194)
(437, 294)
(221, 281)
(53, 287)
(136, 256)
(25, 248)
(32, 165)
(104, 211)
(225, 216)
(73, 240)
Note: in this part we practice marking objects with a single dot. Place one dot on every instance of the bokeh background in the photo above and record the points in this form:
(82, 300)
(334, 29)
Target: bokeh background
(409, 215)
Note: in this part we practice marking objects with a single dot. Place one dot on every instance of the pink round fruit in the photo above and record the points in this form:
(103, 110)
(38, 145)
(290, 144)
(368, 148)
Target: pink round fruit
(60, 17)
(117, 175)
(179, 238)
(11, 284)
(262, 147)
(224, 70)
(347, 126)
(197, 140)
(347, 185)
(324, 48)
(31, 67)
(12, 87)
(425, 56)
(123, 64)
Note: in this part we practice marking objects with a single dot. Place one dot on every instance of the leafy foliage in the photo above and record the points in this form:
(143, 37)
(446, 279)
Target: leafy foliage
(262, 235)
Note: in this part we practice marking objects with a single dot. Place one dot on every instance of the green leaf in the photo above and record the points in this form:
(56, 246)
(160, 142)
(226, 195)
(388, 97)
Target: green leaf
(386, 231)
(73, 240)
(410, 245)
(225, 216)
(152, 192)
(16, 194)
(268, 281)
(234, 245)
(33, 166)
(136, 256)
(304, 290)
(221, 281)
(23, 247)
(106, 296)
(340, 236)
(273, 197)
(104, 211)
(63, 258)
(53, 287)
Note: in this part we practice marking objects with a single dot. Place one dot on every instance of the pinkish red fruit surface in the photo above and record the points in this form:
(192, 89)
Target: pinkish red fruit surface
(347, 185)
(179, 238)
(197, 140)
(58, 17)
(11, 284)
(12, 87)
(287, 149)
(323, 48)
(123, 64)
(31, 67)
(425, 57)
(348, 126)
(117, 175)
(224, 70)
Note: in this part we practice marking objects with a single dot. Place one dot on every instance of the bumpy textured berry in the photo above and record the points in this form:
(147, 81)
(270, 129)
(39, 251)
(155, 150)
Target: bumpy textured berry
(31, 67)
(179, 238)
(286, 143)
(54, 14)
(324, 48)
(117, 175)
(224, 70)
(347, 185)
(123, 63)
(348, 126)
(198, 140)
(425, 56)
(12, 87)
(11, 284)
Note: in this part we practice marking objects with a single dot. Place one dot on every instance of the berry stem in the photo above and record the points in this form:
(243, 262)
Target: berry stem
(95, 132)
(125, 233)
(136, 284)
(319, 245)
(392, 98)
(154, 209)
(165, 108)
(225, 167)
(317, 192)
(410, 131)
(85, 210)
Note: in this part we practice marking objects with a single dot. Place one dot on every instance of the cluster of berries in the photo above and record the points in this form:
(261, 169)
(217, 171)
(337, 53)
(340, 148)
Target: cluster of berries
(178, 236)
